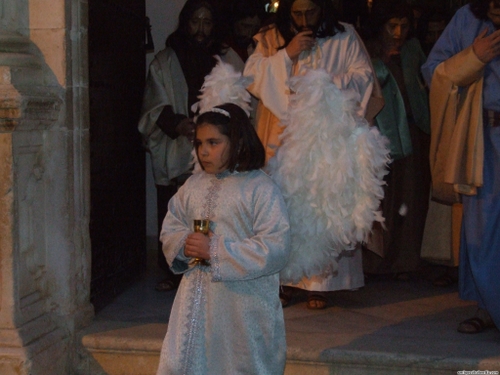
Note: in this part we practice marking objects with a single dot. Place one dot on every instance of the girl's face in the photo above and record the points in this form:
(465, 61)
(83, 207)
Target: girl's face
(212, 148)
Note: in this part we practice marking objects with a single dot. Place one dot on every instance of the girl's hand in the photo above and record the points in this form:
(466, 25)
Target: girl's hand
(198, 246)
(485, 47)
(303, 41)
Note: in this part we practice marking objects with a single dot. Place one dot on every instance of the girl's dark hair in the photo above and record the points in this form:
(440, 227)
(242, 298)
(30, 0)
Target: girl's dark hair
(480, 8)
(181, 34)
(329, 24)
(246, 150)
(383, 10)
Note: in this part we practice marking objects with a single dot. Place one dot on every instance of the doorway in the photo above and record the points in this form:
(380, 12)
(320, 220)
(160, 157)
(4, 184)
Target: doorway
(117, 159)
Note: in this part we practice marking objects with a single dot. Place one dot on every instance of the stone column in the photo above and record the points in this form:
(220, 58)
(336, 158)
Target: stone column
(44, 186)
(25, 328)
(44, 247)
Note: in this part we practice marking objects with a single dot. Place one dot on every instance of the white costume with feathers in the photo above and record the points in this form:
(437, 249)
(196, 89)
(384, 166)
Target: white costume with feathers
(330, 167)
(345, 59)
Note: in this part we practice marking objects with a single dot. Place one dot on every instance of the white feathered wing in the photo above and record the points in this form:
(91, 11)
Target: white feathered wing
(330, 168)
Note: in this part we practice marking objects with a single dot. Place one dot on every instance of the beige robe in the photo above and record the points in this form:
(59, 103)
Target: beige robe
(456, 155)
(457, 152)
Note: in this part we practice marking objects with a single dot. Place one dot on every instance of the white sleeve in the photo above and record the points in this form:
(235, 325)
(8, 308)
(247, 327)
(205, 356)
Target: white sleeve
(270, 76)
(264, 253)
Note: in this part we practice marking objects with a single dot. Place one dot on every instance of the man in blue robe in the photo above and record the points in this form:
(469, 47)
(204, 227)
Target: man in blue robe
(467, 56)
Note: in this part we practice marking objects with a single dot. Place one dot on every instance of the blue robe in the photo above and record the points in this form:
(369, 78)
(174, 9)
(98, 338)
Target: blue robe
(480, 239)
(227, 318)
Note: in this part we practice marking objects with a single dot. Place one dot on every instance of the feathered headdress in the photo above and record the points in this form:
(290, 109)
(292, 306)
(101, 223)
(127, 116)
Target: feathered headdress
(223, 85)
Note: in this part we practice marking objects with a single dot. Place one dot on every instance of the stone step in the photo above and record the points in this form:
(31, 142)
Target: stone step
(124, 348)
(133, 349)
(387, 327)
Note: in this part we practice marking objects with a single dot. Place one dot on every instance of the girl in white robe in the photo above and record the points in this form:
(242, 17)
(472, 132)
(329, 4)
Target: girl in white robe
(227, 317)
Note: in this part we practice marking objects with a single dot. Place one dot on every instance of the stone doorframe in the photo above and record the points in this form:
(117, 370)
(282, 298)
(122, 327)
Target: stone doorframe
(44, 186)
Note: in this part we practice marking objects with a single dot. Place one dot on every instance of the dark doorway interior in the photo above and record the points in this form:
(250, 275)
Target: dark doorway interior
(117, 159)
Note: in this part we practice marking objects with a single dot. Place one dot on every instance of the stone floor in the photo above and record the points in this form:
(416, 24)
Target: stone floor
(401, 325)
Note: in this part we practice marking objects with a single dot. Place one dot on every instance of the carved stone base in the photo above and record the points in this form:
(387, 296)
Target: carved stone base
(45, 356)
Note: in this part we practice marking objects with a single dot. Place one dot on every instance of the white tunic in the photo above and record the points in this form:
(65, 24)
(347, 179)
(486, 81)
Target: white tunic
(343, 56)
(227, 318)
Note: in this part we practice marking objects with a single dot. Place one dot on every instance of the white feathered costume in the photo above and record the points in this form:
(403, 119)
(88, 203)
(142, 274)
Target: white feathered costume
(330, 168)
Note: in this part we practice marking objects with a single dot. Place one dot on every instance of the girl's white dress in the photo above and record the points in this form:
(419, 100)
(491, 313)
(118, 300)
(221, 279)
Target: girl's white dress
(227, 317)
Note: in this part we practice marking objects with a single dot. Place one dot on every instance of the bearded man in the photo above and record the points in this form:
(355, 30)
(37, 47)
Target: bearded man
(307, 35)
(174, 81)
(463, 70)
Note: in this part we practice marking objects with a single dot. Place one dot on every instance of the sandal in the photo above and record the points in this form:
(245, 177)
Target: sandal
(475, 324)
(316, 301)
(166, 285)
(285, 296)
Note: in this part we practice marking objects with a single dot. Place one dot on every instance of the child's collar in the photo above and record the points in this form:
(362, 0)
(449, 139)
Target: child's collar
(224, 174)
